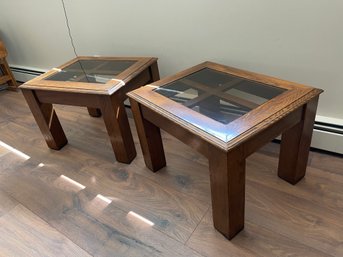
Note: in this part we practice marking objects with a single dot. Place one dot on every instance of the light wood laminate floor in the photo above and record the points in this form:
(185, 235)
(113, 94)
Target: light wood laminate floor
(80, 202)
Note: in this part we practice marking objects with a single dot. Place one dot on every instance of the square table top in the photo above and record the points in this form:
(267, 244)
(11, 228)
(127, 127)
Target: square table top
(221, 104)
(90, 74)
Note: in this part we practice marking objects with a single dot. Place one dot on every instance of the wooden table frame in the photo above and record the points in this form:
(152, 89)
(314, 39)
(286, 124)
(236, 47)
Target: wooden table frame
(106, 99)
(7, 75)
(291, 114)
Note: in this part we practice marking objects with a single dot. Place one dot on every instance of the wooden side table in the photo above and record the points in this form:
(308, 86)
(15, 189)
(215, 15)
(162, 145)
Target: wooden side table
(6, 75)
(98, 83)
(227, 114)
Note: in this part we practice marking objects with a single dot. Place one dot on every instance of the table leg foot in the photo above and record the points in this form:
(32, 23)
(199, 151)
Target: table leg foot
(94, 112)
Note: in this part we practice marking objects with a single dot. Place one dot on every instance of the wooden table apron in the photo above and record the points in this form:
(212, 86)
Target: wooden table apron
(110, 106)
(227, 168)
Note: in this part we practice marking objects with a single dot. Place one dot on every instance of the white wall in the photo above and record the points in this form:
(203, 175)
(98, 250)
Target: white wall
(298, 40)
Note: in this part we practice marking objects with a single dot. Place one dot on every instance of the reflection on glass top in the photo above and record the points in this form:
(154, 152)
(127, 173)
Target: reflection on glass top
(218, 95)
(91, 71)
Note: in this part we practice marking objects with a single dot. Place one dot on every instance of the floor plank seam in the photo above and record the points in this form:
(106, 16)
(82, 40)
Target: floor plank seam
(282, 220)
(49, 223)
(9, 196)
(290, 239)
(197, 225)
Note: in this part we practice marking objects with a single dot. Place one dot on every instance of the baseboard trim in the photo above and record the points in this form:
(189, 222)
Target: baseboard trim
(23, 74)
(327, 141)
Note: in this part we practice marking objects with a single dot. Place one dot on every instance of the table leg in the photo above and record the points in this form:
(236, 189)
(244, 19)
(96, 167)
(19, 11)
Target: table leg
(12, 83)
(150, 139)
(227, 177)
(118, 128)
(94, 112)
(47, 121)
(295, 145)
(154, 72)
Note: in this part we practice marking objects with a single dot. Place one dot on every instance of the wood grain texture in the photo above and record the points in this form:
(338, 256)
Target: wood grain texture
(47, 121)
(23, 230)
(227, 176)
(254, 240)
(6, 73)
(90, 221)
(75, 99)
(118, 128)
(323, 162)
(242, 128)
(227, 145)
(41, 94)
(150, 139)
(3, 50)
(39, 83)
(154, 72)
(295, 145)
(281, 219)
(3, 151)
(165, 124)
(94, 112)
(7, 203)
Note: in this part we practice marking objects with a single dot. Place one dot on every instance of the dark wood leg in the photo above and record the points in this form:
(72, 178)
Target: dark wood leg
(47, 121)
(227, 176)
(7, 71)
(94, 112)
(150, 139)
(118, 128)
(154, 72)
(295, 145)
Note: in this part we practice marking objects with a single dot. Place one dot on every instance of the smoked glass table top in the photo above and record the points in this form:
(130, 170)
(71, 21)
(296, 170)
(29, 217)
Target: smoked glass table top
(222, 105)
(218, 95)
(104, 75)
(91, 71)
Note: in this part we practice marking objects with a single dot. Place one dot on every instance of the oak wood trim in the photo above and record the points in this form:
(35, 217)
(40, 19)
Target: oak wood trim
(225, 136)
(268, 121)
(216, 132)
(7, 75)
(80, 87)
(4, 79)
(172, 128)
(267, 134)
(74, 99)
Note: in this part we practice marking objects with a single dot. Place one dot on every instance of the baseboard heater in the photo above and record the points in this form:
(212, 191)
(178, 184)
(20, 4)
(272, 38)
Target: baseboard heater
(25, 74)
(327, 127)
(326, 135)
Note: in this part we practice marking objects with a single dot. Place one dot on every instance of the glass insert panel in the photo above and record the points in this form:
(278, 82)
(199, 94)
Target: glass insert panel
(218, 95)
(219, 110)
(91, 71)
(180, 92)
